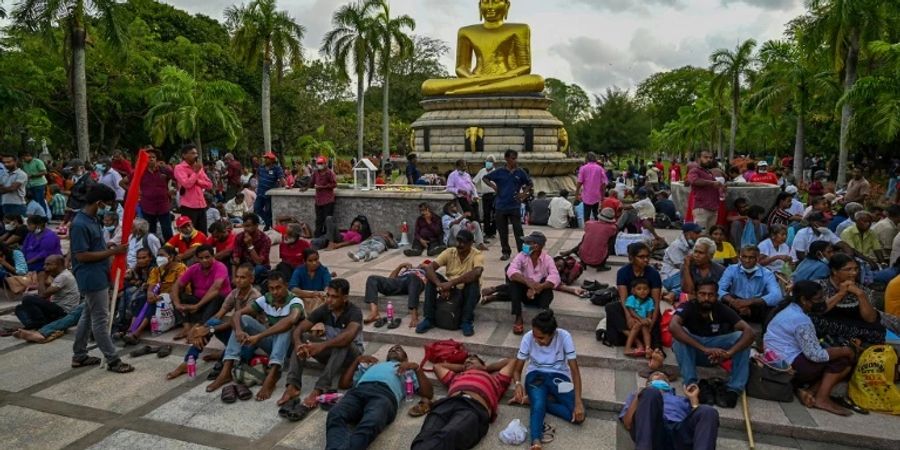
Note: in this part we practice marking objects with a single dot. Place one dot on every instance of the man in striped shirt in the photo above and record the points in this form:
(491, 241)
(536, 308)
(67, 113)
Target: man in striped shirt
(473, 392)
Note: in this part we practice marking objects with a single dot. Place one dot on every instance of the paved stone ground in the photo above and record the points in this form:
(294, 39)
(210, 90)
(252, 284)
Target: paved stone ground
(46, 405)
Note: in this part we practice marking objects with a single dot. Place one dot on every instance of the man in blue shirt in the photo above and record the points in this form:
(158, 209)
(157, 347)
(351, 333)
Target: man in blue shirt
(750, 289)
(512, 185)
(372, 403)
(90, 265)
(269, 176)
(657, 418)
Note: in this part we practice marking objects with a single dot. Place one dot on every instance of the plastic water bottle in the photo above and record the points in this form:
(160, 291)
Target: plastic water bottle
(390, 311)
(154, 325)
(156, 289)
(329, 398)
(191, 367)
(410, 387)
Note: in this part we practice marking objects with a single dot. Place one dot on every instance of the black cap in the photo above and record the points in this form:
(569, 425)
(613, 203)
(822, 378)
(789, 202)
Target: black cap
(465, 236)
(536, 237)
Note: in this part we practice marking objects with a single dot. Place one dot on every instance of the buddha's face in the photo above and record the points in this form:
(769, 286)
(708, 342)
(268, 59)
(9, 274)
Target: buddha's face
(494, 10)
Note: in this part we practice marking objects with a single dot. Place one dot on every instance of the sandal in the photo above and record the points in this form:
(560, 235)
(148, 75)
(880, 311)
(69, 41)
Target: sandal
(129, 340)
(382, 321)
(87, 361)
(848, 403)
(54, 336)
(518, 329)
(216, 370)
(394, 324)
(297, 413)
(164, 351)
(549, 434)
(243, 392)
(120, 367)
(420, 409)
(145, 350)
(229, 394)
(285, 409)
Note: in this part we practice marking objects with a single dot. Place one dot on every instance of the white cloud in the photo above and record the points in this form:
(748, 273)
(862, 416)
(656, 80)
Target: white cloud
(780, 5)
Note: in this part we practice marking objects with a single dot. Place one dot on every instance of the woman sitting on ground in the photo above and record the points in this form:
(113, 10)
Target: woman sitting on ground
(429, 234)
(163, 276)
(552, 381)
(335, 238)
(14, 230)
(39, 244)
(815, 264)
(725, 253)
(792, 336)
(774, 252)
(310, 280)
(849, 314)
(452, 221)
(779, 214)
(12, 262)
(135, 297)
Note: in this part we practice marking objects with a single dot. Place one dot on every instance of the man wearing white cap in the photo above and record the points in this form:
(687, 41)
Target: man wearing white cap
(763, 175)
(797, 207)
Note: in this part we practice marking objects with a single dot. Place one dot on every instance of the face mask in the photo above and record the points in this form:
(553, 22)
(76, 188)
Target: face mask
(526, 249)
(9, 227)
(161, 261)
(110, 228)
(691, 242)
(320, 166)
(822, 230)
(186, 236)
(818, 308)
(751, 270)
(488, 165)
(660, 385)
(99, 167)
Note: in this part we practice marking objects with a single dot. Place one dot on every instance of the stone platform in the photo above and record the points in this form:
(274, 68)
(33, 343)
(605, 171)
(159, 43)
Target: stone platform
(756, 194)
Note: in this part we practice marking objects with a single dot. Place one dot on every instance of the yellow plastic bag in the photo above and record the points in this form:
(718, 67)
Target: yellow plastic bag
(872, 385)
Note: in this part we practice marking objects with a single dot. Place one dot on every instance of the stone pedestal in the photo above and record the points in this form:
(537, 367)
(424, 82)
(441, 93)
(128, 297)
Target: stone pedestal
(473, 127)
(756, 194)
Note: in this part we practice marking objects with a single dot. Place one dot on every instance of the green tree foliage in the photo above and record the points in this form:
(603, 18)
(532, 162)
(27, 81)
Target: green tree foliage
(731, 69)
(617, 124)
(570, 103)
(663, 93)
(395, 43)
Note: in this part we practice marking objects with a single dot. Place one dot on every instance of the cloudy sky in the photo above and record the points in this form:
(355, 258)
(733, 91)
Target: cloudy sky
(595, 43)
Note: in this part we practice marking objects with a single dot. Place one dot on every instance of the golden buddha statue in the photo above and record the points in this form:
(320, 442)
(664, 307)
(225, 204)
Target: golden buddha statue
(502, 57)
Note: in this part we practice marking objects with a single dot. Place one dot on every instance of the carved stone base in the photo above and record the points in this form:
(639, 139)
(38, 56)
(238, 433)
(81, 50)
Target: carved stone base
(474, 127)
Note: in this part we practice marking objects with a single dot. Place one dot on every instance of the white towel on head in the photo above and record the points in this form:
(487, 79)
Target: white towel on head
(514, 433)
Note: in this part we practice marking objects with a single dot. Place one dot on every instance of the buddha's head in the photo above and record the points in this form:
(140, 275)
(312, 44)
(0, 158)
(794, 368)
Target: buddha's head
(493, 10)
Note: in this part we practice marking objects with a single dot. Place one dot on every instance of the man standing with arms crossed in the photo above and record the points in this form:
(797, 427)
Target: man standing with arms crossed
(592, 179)
(90, 265)
(324, 181)
(705, 189)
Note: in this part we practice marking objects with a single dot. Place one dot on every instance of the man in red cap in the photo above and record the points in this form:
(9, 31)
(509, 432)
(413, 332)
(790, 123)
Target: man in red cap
(324, 181)
(187, 240)
(269, 176)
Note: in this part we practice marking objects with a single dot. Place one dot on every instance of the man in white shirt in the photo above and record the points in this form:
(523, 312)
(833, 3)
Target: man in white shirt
(13, 182)
(797, 207)
(886, 229)
(816, 231)
(561, 211)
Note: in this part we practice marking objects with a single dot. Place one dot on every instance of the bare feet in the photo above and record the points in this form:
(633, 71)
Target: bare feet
(179, 371)
(806, 398)
(310, 400)
(268, 386)
(30, 336)
(656, 360)
(371, 318)
(413, 319)
(290, 392)
(223, 378)
(826, 404)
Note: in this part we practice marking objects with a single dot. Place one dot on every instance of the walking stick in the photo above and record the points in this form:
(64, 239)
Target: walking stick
(747, 420)
(115, 298)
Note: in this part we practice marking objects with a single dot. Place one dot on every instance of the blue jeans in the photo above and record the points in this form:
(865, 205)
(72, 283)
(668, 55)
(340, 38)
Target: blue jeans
(370, 406)
(276, 346)
(39, 193)
(689, 357)
(673, 284)
(543, 392)
(263, 208)
(64, 323)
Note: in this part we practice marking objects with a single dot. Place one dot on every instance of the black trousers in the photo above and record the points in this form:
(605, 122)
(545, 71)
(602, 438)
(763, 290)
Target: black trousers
(203, 314)
(504, 219)
(454, 423)
(488, 224)
(197, 216)
(469, 207)
(591, 211)
(650, 431)
(369, 408)
(410, 285)
(34, 312)
(322, 211)
(518, 295)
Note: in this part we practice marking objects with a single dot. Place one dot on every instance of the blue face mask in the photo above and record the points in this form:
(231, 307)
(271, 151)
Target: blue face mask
(110, 228)
(488, 165)
(526, 249)
(99, 167)
(661, 385)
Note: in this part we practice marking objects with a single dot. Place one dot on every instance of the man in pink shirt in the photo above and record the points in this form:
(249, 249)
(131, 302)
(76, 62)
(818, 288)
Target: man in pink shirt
(533, 276)
(591, 183)
(192, 182)
(705, 189)
(208, 285)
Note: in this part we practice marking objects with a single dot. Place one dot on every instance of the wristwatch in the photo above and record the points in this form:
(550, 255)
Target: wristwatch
(212, 331)
(249, 248)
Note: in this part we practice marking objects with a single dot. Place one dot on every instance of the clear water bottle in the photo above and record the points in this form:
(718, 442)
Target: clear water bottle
(410, 386)
(154, 325)
(390, 311)
(191, 367)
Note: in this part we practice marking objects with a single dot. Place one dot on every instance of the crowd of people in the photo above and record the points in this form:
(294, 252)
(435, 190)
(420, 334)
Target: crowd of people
(201, 257)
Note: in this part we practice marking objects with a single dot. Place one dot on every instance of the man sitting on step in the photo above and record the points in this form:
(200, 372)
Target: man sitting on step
(404, 280)
(464, 267)
(372, 403)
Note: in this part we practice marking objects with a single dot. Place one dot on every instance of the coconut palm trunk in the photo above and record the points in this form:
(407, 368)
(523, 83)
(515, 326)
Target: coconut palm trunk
(385, 117)
(79, 91)
(360, 113)
(850, 76)
(735, 105)
(799, 146)
(267, 105)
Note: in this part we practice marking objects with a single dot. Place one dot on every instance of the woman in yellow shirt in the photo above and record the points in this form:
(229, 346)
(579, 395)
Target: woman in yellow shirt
(725, 253)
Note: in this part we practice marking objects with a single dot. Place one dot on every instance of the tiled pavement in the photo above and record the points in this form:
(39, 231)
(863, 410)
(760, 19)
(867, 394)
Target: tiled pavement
(46, 405)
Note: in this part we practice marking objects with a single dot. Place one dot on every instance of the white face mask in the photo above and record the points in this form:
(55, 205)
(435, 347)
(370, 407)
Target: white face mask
(751, 270)
(320, 166)
(161, 261)
(9, 227)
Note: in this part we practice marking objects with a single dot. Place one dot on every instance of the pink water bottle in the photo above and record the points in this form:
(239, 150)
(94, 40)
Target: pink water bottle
(329, 398)
(191, 367)
(154, 325)
(390, 311)
(410, 387)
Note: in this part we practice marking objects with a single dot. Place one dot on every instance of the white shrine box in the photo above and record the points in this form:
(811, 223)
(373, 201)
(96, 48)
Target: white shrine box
(364, 173)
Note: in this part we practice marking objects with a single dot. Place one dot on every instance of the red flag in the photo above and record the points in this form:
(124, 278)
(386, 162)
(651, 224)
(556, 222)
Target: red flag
(131, 201)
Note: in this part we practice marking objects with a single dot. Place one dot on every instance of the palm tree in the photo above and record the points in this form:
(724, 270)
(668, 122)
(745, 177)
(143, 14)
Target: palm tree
(789, 79)
(354, 40)
(260, 33)
(394, 41)
(182, 107)
(730, 68)
(72, 17)
(879, 94)
(845, 26)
